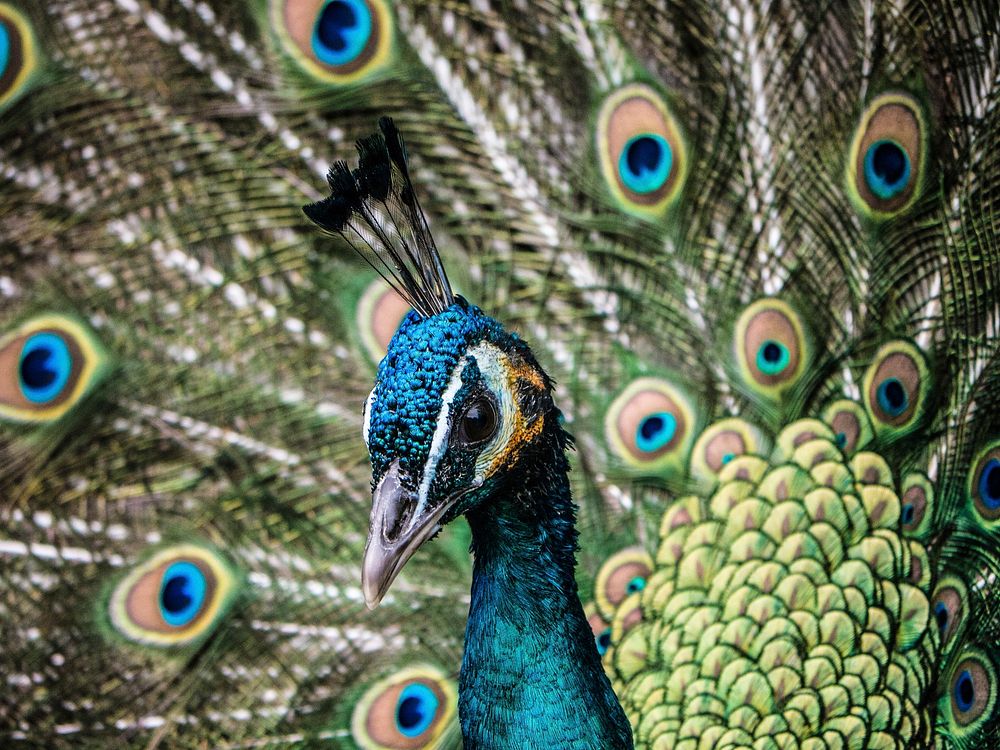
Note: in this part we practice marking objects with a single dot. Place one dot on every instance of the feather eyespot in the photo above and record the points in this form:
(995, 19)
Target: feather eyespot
(770, 346)
(947, 608)
(916, 502)
(719, 444)
(407, 710)
(895, 389)
(47, 365)
(174, 598)
(648, 426)
(850, 424)
(984, 484)
(887, 156)
(380, 312)
(18, 53)
(972, 694)
(641, 152)
(622, 574)
(336, 41)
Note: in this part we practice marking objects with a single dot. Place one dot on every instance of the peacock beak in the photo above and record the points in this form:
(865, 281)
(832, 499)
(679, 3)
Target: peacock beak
(399, 525)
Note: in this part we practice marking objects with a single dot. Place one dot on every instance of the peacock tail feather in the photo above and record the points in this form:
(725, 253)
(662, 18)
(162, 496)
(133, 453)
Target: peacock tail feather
(754, 245)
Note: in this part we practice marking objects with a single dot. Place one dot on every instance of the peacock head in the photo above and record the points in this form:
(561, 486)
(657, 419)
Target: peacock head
(459, 402)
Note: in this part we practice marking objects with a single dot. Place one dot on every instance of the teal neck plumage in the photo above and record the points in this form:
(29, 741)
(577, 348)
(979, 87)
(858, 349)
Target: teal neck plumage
(531, 676)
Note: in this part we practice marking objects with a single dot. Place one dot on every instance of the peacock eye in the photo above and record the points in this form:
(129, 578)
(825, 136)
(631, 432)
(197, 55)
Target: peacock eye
(887, 156)
(407, 710)
(972, 691)
(478, 423)
(984, 483)
(896, 388)
(46, 367)
(989, 484)
(850, 424)
(174, 598)
(336, 41)
(770, 346)
(640, 150)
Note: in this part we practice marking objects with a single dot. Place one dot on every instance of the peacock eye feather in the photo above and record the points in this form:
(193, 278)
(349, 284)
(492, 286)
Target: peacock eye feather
(972, 697)
(770, 347)
(335, 41)
(887, 156)
(47, 365)
(720, 444)
(984, 484)
(948, 609)
(410, 709)
(649, 426)
(18, 54)
(896, 389)
(641, 153)
(851, 426)
(622, 574)
(917, 499)
(175, 598)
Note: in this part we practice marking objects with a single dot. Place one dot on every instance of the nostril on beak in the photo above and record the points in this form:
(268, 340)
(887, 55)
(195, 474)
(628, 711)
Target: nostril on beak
(396, 520)
(396, 503)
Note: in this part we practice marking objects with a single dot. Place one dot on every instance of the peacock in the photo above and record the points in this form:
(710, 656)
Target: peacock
(692, 309)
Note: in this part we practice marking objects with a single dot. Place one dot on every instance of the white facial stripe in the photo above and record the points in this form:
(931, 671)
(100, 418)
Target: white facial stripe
(366, 417)
(440, 440)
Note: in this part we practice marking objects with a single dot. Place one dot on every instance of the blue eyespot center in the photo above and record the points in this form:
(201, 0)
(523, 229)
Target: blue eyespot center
(636, 584)
(965, 691)
(892, 398)
(887, 169)
(772, 357)
(908, 513)
(727, 458)
(655, 431)
(604, 641)
(989, 484)
(841, 439)
(4, 49)
(645, 163)
(342, 31)
(941, 616)
(416, 709)
(182, 593)
(45, 367)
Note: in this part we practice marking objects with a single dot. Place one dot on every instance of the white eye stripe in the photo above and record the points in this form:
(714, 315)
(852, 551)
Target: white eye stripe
(366, 417)
(439, 442)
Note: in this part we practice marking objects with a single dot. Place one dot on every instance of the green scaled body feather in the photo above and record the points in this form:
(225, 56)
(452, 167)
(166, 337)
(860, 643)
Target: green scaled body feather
(755, 246)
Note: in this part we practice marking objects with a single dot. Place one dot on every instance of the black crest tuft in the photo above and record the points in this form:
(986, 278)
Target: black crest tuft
(375, 208)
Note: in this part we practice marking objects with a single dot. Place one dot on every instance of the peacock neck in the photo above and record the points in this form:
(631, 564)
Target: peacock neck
(531, 676)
